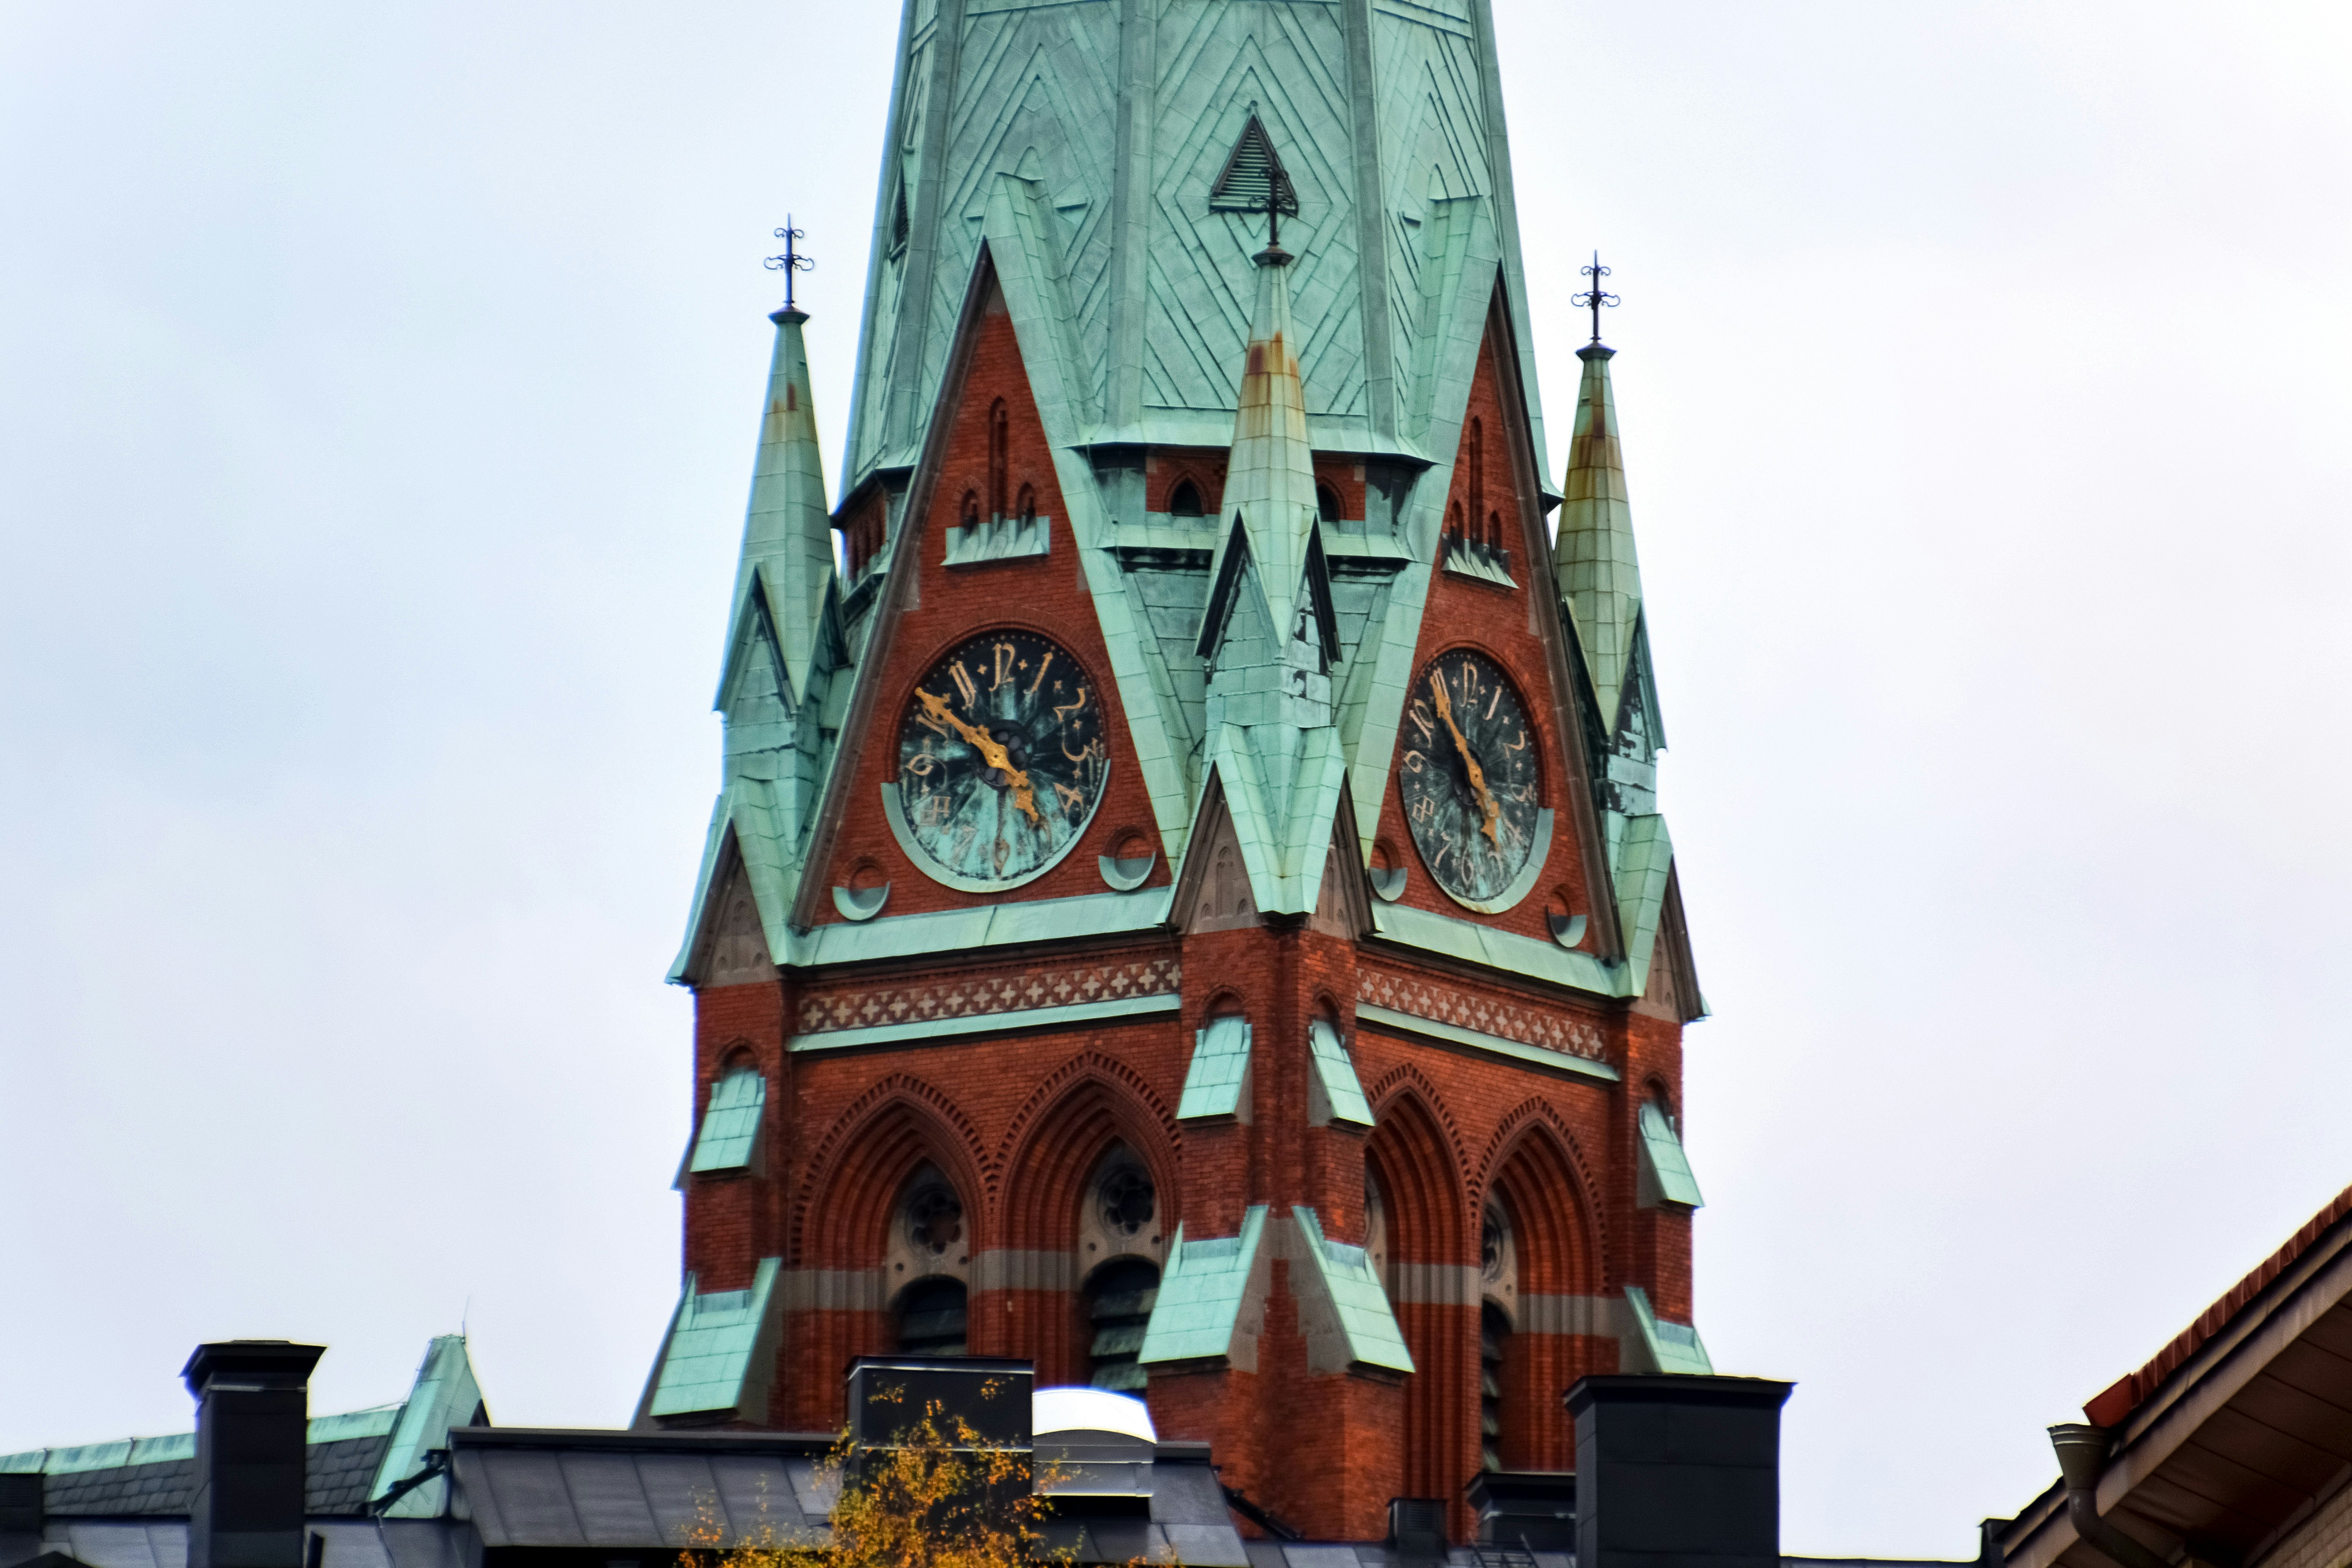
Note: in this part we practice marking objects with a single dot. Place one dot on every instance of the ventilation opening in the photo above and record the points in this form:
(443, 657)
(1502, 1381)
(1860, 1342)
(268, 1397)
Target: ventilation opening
(1253, 180)
(1184, 500)
(1494, 1333)
(931, 1318)
(1119, 1308)
(898, 219)
(1327, 502)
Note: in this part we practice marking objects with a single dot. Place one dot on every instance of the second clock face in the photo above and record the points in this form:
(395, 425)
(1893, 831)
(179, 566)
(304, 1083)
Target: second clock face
(1001, 757)
(1469, 779)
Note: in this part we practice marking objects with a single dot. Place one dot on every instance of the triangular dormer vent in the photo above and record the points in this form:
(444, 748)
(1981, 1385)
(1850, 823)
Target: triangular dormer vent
(1253, 180)
(898, 217)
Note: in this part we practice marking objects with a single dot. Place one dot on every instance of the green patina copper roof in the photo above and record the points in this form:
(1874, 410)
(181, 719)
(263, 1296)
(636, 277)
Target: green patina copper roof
(713, 1358)
(788, 528)
(1664, 1161)
(1059, 158)
(445, 1395)
(1340, 1288)
(1335, 1074)
(730, 1123)
(1217, 1083)
(1672, 1347)
(1203, 1291)
(1387, 121)
(1600, 577)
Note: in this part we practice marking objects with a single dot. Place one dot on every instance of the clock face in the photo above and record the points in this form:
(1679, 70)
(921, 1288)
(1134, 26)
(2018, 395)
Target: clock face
(1469, 779)
(1001, 757)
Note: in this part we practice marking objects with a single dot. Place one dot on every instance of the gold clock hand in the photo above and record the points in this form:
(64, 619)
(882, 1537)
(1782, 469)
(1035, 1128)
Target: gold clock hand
(992, 752)
(1487, 806)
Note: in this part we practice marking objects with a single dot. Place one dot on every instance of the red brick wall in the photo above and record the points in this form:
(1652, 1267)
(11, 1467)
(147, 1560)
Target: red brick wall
(1499, 622)
(1044, 593)
(1019, 1123)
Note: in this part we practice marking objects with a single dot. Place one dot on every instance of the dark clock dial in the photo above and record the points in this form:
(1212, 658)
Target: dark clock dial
(1001, 757)
(1469, 779)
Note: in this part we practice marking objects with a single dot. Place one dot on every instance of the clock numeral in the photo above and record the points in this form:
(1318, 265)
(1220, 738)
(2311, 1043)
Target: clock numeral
(964, 684)
(1041, 672)
(1425, 809)
(1062, 714)
(936, 726)
(1419, 714)
(1414, 762)
(1494, 702)
(1518, 744)
(922, 765)
(1071, 800)
(932, 810)
(1004, 665)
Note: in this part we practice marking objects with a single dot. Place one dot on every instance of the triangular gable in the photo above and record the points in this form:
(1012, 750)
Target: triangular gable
(1253, 180)
(1012, 307)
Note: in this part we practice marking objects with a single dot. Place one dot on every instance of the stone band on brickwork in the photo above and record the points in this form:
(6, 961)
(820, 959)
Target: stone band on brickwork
(972, 996)
(1437, 1003)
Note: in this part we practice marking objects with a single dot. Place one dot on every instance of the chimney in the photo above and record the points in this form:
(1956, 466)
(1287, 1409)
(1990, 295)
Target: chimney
(1677, 1470)
(253, 1417)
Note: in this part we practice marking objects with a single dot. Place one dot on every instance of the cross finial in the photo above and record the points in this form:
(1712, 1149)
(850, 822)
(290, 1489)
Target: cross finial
(1594, 298)
(791, 261)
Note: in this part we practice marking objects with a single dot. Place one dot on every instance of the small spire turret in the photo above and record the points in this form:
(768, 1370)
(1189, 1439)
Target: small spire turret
(788, 530)
(1600, 576)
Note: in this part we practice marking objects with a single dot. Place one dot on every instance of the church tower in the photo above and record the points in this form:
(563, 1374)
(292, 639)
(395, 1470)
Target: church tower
(1186, 903)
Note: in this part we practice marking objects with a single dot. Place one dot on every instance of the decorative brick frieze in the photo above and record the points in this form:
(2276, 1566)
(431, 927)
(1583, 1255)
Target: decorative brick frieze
(976, 996)
(1440, 1002)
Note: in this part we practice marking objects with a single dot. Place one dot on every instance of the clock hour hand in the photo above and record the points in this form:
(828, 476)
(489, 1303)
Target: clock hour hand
(992, 751)
(1487, 805)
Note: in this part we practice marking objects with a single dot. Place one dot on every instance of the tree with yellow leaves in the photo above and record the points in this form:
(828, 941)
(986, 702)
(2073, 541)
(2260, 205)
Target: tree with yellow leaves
(937, 1495)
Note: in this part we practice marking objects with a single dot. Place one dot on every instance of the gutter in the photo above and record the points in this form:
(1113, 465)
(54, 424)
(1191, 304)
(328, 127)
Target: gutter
(2082, 1455)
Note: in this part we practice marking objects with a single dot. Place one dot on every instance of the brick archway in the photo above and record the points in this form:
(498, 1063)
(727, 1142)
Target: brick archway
(1431, 1253)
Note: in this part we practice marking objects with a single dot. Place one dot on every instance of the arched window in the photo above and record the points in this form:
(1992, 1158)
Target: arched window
(931, 1318)
(1326, 503)
(968, 515)
(1000, 453)
(1494, 530)
(1184, 500)
(930, 1310)
(1454, 527)
(1026, 506)
(1119, 1309)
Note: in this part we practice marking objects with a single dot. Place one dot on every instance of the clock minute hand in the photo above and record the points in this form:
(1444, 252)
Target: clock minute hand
(1487, 806)
(992, 751)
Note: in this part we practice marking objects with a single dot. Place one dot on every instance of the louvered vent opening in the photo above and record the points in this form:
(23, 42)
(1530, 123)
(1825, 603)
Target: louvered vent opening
(1254, 178)
(1494, 1332)
(898, 219)
(1119, 1308)
(931, 1318)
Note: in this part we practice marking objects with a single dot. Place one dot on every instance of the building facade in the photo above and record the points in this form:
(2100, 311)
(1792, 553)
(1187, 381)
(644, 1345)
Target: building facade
(1187, 903)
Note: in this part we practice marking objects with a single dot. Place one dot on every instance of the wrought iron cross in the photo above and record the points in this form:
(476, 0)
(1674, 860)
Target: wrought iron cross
(1593, 297)
(790, 261)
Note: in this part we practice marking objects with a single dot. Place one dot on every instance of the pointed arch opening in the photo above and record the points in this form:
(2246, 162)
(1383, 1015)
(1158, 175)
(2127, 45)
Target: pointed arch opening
(1184, 500)
(1327, 502)
(1024, 506)
(1000, 457)
(1416, 1218)
(931, 1251)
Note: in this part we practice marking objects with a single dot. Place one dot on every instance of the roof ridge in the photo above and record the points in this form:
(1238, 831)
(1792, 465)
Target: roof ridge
(2114, 1405)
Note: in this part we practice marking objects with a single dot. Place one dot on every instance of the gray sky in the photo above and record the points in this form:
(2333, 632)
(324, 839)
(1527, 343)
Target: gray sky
(378, 392)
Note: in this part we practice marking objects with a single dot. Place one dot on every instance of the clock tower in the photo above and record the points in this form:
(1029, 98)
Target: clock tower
(1186, 903)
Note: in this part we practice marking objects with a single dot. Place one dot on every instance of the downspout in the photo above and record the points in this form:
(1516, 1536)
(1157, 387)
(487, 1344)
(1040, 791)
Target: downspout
(2082, 1455)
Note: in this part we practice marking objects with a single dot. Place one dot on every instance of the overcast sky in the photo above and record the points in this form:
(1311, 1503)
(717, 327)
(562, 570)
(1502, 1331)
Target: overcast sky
(378, 392)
